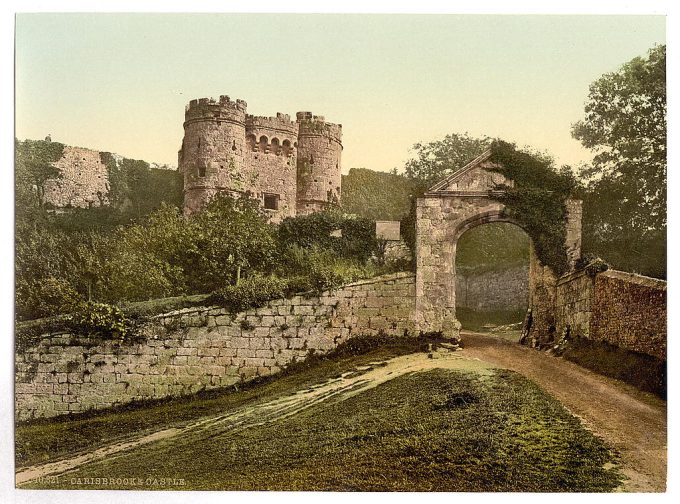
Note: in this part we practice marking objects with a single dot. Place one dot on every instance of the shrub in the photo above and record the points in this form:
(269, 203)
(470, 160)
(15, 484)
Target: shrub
(100, 319)
(356, 241)
(43, 298)
(249, 293)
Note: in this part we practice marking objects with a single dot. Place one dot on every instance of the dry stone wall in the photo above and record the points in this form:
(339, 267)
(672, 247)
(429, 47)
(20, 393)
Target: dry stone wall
(629, 311)
(623, 309)
(195, 349)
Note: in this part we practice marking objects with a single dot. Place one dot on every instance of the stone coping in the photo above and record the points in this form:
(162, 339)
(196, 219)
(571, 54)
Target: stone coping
(635, 278)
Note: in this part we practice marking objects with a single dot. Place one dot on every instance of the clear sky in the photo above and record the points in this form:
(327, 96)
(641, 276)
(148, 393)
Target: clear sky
(119, 82)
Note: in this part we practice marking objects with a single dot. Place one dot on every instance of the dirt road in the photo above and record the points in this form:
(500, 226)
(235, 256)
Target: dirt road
(631, 421)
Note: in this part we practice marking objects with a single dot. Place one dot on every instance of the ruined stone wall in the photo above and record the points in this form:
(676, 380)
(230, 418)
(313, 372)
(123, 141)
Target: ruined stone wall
(319, 177)
(84, 181)
(203, 348)
(623, 309)
(493, 290)
(629, 311)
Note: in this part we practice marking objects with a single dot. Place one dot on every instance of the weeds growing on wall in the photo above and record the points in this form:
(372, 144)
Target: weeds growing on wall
(537, 200)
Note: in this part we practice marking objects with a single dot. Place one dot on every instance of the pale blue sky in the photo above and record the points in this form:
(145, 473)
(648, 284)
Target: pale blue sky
(119, 82)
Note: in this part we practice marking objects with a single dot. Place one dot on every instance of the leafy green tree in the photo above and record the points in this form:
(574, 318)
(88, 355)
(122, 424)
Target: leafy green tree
(376, 195)
(232, 236)
(625, 125)
(33, 166)
(435, 160)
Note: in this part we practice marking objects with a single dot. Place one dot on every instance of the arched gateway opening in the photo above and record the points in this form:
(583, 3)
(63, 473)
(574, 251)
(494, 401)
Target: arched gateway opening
(458, 203)
(492, 277)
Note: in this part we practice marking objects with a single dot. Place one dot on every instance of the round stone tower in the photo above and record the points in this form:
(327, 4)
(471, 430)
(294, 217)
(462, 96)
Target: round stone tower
(213, 150)
(318, 163)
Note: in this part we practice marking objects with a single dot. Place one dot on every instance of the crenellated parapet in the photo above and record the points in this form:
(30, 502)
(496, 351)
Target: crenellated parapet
(209, 109)
(316, 125)
(272, 135)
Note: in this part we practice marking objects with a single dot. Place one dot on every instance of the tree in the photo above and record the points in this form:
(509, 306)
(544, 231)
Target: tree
(433, 162)
(438, 159)
(376, 195)
(231, 236)
(625, 125)
(33, 167)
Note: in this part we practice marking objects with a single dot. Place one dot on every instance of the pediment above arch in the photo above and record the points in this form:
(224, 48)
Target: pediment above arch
(474, 177)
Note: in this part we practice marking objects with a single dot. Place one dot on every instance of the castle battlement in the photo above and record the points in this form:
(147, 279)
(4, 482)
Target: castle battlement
(316, 125)
(209, 108)
(293, 167)
(280, 127)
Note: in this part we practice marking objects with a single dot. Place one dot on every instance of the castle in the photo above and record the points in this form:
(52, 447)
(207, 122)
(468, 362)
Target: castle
(292, 167)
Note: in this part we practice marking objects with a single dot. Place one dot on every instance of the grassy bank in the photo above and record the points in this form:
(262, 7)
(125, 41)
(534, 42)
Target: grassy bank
(643, 371)
(44, 440)
(437, 430)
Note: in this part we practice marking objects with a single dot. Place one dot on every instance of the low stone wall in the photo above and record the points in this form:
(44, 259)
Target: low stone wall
(623, 309)
(493, 290)
(630, 311)
(201, 348)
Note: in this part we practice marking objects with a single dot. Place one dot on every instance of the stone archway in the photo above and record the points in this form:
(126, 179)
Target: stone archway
(456, 204)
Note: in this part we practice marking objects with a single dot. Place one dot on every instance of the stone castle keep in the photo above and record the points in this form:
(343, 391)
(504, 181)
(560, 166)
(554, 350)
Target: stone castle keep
(292, 167)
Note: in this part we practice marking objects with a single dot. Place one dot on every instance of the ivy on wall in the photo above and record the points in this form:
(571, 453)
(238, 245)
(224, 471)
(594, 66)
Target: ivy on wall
(537, 199)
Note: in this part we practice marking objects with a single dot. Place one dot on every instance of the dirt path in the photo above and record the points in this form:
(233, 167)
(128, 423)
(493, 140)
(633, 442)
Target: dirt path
(631, 421)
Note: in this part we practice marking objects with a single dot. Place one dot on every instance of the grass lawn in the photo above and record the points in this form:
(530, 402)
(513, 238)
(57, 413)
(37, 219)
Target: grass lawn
(437, 430)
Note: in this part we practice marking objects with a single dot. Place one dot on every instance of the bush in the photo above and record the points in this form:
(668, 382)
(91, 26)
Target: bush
(100, 319)
(356, 241)
(643, 371)
(43, 298)
(249, 293)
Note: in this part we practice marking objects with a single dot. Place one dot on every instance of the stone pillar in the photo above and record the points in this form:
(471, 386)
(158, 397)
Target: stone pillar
(573, 239)
(435, 271)
(542, 293)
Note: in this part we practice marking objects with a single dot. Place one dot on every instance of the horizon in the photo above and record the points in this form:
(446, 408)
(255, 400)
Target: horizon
(120, 82)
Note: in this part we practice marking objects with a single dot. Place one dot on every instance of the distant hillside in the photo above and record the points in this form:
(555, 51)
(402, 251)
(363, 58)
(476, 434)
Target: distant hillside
(376, 195)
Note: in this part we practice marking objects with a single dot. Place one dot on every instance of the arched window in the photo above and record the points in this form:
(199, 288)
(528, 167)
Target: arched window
(287, 151)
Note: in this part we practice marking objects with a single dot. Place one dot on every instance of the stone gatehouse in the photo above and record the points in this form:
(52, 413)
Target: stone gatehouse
(450, 208)
(292, 167)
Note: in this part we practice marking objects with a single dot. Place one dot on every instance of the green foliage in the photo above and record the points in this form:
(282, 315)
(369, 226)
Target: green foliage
(640, 370)
(376, 195)
(100, 320)
(45, 297)
(227, 236)
(436, 160)
(33, 166)
(136, 189)
(536, 200)
(624, 216)
(492, 247)
(357, 240)
(252, 292)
